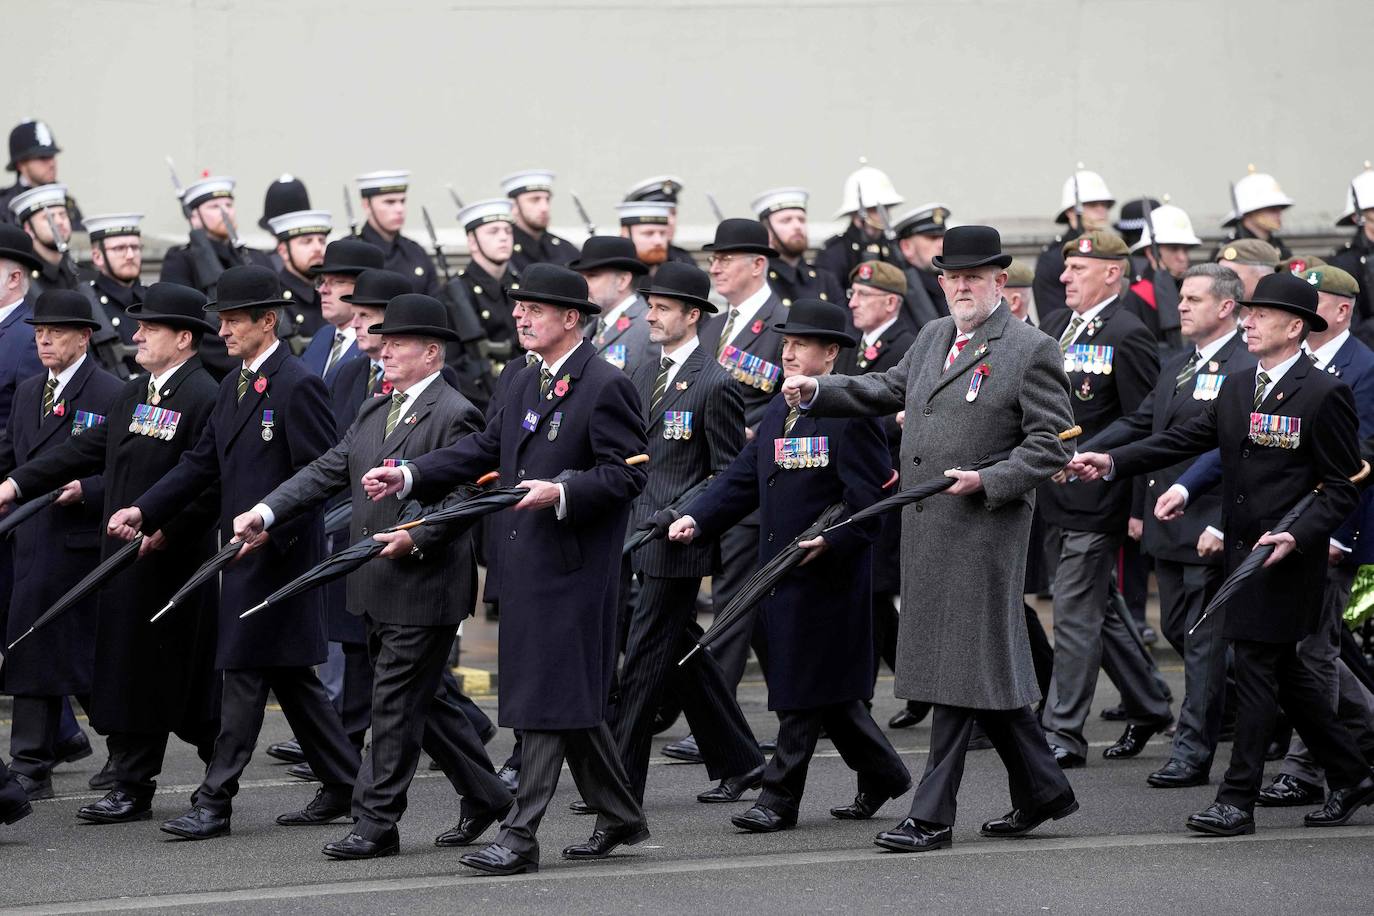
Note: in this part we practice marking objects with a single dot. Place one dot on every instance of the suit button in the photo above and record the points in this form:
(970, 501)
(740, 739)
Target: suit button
(511, 536)
(770, 481)
(928, 411)
(520, 473)
(770, 537)
(1152, 482)
(1245, 453)
(916, 460)
(366, 532)
(1240, 499)
(919, 507)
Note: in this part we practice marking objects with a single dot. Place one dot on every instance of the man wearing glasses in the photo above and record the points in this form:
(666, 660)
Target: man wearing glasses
(117, 258)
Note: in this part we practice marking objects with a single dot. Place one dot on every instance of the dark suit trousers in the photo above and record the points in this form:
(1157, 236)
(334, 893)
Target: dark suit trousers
(138, 757)
(739, 557)
(1184, 590)
(308, 711)
(1269, 675)
(408, 712)
(662, 630)
(355, 699)
(861, 744)
(35, 732)
(596, 770)
(1033, 778)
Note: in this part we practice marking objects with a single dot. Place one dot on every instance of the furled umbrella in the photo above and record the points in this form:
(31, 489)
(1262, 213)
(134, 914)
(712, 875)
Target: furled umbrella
(337, 519)
(208, 570)
(93, 580)
(27, 511)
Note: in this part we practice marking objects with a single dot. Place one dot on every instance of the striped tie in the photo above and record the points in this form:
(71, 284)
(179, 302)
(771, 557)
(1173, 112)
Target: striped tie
(152, 390)
(335, 351)
(1261, 383)
(1185, 375)
(545, 379)
(245, 377)
(792, 416)
(726, 332)
(661, 386)
(393, 414)
(49, 396)
(959, 343)
(1070, 333)
(374, 379)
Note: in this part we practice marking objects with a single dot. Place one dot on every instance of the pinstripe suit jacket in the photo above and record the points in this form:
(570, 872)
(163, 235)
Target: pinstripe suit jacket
(702, 389)
(437, 588)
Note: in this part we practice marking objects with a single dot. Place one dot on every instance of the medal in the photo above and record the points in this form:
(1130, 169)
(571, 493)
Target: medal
(554, 423)
(266, 418)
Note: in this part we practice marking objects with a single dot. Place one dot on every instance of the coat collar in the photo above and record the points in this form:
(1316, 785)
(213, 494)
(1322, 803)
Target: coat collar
(252, 398)
(529, 400)
(974, 351)
(52, 422)
(1287, 387)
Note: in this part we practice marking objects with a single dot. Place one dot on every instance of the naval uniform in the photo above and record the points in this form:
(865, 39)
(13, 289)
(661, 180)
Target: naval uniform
(547, 249)
(804, 280)
(846, 251)
(405, 256)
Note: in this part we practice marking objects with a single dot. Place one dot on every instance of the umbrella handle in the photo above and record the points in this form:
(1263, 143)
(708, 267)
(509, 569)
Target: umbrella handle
(1073, 432)
(488, 477)
(633, 460)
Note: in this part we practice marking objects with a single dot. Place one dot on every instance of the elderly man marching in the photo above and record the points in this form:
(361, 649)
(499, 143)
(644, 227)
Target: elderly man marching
(977, 387)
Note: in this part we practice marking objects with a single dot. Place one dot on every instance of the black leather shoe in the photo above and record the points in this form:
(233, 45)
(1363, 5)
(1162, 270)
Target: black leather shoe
(15, 813)
(510, 776)
(1220, 819)
(1019, 823)
(1177, 775)
(912, 835)
(685, 750)
(288, 751)
(581, 807)
(468, 829)
(866, 804)
(323, 809)
(106, 779)
(1066, 758)
(118, 807)
(355, 846)
(1132, 741)
(602, 842)
(78, 748)
(1115, 713)
(732, 788)
(496, 859)
(1342, 804)
(768, 745)
(198, 824)
(762, 819)
(302, 771)
(35, 789)
(909, 715)
(1289, 792)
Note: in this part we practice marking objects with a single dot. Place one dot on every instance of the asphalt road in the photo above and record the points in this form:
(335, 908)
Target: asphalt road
(1125, 851)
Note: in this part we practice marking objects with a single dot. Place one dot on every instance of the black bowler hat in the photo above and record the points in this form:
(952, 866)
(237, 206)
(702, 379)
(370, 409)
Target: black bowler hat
(65, 308)
(378, 287)
(349, 256)
(417, 315)
(246, 286)
(554, 285)
(285, 195)
(30, 140)
(174, 305)
(746, 235)
(613, 251)
(686, 283)
(819, 319)
(1291, 294)
(16, 245)
(967, 247)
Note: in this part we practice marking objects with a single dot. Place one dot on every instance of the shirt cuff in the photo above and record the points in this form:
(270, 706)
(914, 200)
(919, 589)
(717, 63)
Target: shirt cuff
(1181, 490)
(1111, 469)
(562, 510)
(268, 517)
(408, 483)
(1339, 546)
(1210, 529)
(17, 492)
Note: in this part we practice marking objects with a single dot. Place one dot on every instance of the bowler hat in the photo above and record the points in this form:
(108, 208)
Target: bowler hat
(687, 283)
(246, 286)
(417, 315)
(554, 285)
(819, 319)
(967, 247)
(377, 287)
(16, 245)
(1289, 293)
(63, 307)
(349, 256)
(174, 305)
(609, 251)
(745, 235)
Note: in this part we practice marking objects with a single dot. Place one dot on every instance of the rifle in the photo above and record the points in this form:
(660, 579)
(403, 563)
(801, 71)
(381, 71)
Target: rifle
(1166, 292)
(348, 209)
(457, 201)
(582, 212)
(715, 207)
(109, 349)
(1078, 201)
(205, 262)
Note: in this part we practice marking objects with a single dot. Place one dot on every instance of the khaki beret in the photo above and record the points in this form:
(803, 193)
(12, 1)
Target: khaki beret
(1299, 264)
(1328, 279)
(1250, 251)
(880, 275)
(1100, 243)
(1020, 275)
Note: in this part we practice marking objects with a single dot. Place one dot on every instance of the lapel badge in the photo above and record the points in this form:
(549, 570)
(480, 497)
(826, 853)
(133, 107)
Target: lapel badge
(681, 386)
(983, 348)
(1213, 366)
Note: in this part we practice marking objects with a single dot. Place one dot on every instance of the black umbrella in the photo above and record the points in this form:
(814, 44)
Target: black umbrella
(337, 519)
(650, 531)
(1255, 559)
(208, 570)
(97, 577)
(26, 511)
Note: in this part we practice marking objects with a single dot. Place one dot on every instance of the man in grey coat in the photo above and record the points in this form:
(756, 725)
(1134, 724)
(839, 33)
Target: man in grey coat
(980, 391)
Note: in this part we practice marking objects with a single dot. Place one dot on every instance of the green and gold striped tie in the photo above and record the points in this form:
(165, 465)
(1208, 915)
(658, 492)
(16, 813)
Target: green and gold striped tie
(1261, 383)
(1070, 333)
(793, 416)
(152, 390)
(393, 414)
(661, 386)
(726, 332)
(1185, 375)
(245, 378)
(49, 396)
(374, 379)
(545, 379)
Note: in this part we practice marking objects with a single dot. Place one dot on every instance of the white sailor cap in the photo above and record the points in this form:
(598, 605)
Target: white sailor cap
(40, 198)
(103, 227)
(198, 192)
(481, 212)
(780, 199)
(663, 188)
(518, 183)
(644, 212)
(301, 222)
(393, 181)
(926, 219)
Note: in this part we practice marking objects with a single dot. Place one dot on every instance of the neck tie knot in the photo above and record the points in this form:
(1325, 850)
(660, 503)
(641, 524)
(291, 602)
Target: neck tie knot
(1070, 333)
(246, 377)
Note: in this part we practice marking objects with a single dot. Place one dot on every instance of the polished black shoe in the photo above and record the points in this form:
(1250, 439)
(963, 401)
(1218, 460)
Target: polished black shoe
(35, 789)
(581, 807)
(198, 824)
(602, 842)
(15, 813)
(685, 750)
(768, 745)
(302, 771)
(106, 779)
(510, 776)
(912, 835)
(323, 809)
(118, 807)
(732, 788)
(1132, 741)
(496, 859)
(866, 804)
(468, 829)
(1019, 823)
(762, 819)
(1115, 713)
(1066, 758)
(1221, 819)
(288, 751)
(909, 715)
(1177, 775)
(78, 748)
(1342, 804)
(355, 846)
(1289, 792)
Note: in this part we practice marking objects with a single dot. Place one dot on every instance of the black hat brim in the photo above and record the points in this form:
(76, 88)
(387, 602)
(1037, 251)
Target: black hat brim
(415, 330)
(22, 257)
(371, 303)
(706, 305)
(181, 322)
(1315, 321)
(584, 306)
(64, 321)
(631, 265)
(259, 304)
(829, 335)
(1000, 260)
(742, 248)
(343, 270)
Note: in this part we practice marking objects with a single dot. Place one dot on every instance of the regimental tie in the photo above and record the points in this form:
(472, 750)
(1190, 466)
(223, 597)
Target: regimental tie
(393, 414)
(340, 339)
(1070, 333)
(531, 359)
(374, 378)
(661, 386)
(1185, 375)
(49, 396)
(245, 377)
(152, 390)
(545, 380)
(1261, 383)
(792, 416)
(960, 342)
(726, 332)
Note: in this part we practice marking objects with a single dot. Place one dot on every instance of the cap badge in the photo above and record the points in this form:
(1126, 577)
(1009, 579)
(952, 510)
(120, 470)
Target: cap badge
(1314, 277)
(1298, 266)
(42, 134)
(1229, 254)
(865, 271)
(1085, 246)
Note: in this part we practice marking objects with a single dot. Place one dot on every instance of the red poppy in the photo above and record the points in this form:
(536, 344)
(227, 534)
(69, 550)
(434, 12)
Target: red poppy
(60, 410)
(984, 369)
(261, 384)
(622, 323)
(870, 352)
(386, 387)
(758, 326)
(560, 387)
